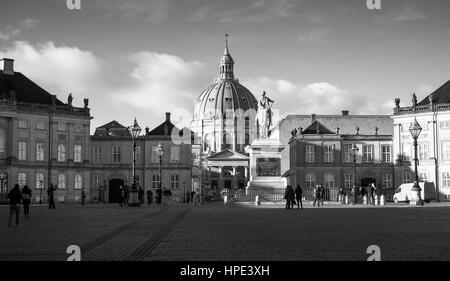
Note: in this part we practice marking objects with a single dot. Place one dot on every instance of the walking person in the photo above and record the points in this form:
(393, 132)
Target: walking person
(369, 194)
(322, 194)
(317, 193)
(298, 196)
(121, 196)
(354, 199)
(26, 200)
(51, 192)
(83, 196)
(289, 195)
(362, 192)
(125, 195)
(14, 196)
(141, 195)
(149, 197)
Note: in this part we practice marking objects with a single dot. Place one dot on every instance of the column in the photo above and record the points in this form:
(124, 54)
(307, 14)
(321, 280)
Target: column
(235, 182)
(220, 184)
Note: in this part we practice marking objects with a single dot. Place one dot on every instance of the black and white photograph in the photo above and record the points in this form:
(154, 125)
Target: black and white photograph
(243, 133)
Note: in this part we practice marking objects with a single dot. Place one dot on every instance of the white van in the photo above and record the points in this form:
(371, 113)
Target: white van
(404, 192)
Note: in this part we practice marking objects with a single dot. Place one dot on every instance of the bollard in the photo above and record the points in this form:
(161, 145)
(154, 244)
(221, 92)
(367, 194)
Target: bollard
(257, 200)
(365, 200)
(225, 199)
(376, 200)
(346, 199)
(382, 200)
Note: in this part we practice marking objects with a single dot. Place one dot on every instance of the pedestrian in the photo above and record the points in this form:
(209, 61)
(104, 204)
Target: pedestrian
(192, 196)
(159, 195)
(14, 196)
(322, 194)
(362, 192)
(141, 195)
(149, 197)
(26, 200)
(317, 194)
(121, 196)
(298, 196)
(369, 194)
(354, 195)
(83, 196)
(125, 194)
(51, 192)
(289, 195)
(374, 193)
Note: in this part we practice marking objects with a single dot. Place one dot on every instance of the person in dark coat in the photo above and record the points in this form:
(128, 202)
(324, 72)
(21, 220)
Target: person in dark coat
(362, 192)
(298, 196)
(125, 194)
(14, 196)
(141, 195)
(83, 196)
(322, 194)
(51, 200)
(26, 200)
(121, 196)
(354, 195)
(149, 196)
(289, 195)
(159, 195)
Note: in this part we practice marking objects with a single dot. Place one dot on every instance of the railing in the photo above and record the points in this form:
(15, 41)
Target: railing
(422, 108)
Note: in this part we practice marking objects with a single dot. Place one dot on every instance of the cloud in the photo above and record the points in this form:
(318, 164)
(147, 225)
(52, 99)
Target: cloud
(314, 35)
(409, 14)
(12, 31)
(320, 98)
(142, 84)
(154, 11)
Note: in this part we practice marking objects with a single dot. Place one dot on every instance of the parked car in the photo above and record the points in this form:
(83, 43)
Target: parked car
(404, 192)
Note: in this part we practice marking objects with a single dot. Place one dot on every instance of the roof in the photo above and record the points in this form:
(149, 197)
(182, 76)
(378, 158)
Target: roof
(367, 124)
(112, 129)
(317, 128)
(25, 90)
(227, 154)
(165, 129)
(441, 95)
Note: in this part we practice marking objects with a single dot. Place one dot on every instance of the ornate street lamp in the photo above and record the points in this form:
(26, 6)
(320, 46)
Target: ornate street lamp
(160, 151)
(135, 130)
(355, 151)
(415, 131)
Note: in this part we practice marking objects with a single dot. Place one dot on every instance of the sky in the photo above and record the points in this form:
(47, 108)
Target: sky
(142, 58)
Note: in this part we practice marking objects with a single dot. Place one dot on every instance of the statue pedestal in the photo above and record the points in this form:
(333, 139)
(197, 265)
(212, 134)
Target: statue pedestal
(265, 169)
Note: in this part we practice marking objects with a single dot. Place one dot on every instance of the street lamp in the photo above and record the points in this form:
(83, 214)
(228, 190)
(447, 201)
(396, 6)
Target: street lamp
(355, 151)
(160, 151)
(415, 130)
(135, 130)
(42, 187)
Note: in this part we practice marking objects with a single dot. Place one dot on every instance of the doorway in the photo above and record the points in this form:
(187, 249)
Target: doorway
(366, 181)
(114, 190)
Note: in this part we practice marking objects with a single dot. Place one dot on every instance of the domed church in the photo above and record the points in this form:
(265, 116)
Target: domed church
(223, 122)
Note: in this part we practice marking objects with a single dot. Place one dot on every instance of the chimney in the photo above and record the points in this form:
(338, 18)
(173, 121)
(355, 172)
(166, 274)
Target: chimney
(8, 66)
(313, 118)
(345, 112)
(167, 116)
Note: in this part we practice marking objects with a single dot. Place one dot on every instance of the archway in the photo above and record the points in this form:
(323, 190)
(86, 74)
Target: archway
(366, 181)
(114, 190)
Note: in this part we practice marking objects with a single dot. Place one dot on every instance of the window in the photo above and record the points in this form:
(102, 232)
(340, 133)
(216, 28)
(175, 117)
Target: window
(61, 153)
(97, 181)
(174, 181)
(348, 153)
(328, 153)
(78, 181)
(349, 180)
(40, 181)
(386, 180)
(174, 154)
(40, 151)
(62, 126)
(310, 180)
(155, 157)
(444, 124)
(406, 151)
(386, 150)
(2, 143)
(367, 153)
(446, 180)
(62, 181)
(77, 153)
(309, 155)
(22, 179)
(23, 124)
(22, 150)
(329, 180)
(116, 154)
(78, 128)
(423, 175)
(98, 154)
(423, 151)
(155, 181)
(406, 177)
(40, 125)
(446, 150)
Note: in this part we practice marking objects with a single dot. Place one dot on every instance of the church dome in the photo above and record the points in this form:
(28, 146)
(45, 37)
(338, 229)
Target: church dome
(225, 95)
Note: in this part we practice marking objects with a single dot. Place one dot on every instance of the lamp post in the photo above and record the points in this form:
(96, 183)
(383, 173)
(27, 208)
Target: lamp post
(355, 151)
(42, 187)
(184, 191)
(160, 151)
(134, 194)
(415, 131)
